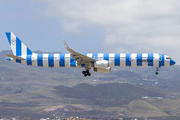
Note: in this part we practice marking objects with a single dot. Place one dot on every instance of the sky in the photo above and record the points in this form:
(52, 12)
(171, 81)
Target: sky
(98, 26)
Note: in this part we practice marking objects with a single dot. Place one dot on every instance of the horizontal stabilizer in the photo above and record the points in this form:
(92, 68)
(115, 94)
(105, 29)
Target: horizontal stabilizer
(15, 57)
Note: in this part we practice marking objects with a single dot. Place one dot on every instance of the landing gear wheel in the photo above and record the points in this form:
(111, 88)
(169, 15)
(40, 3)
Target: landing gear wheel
(83, 72)
(156, 73)
(86, 73)
(89, 74)
(157, 69)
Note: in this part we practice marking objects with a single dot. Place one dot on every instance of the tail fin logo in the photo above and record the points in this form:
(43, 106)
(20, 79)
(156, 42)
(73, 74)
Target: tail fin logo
(17, 46)
(13, 41)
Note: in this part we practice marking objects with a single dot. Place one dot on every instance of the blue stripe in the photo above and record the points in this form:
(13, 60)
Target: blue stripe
(72, 62)
(82, 65)
(28, 60)
(18, 47)
(128, 62)
(117, 59)
(106, 56)
(51, 60)
(150, 59)
(85, 54)
(18, 61)
(40, 60)
(161, 63)
(62, 60)
(139, 59)
(29, 52)
(95, 55)
(8, 34)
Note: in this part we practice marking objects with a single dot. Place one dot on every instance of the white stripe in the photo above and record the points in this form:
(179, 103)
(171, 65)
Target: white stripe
(24, 61)
(100, 56)
(56, 60)
(13, 45)
(89, 55)
(45, 60)
(67, 60)
(156, 60)
(34, 60)
(111, 59)
(133, 59)
(166, 61)
(122, 59)
(144, 57)
(23, 49)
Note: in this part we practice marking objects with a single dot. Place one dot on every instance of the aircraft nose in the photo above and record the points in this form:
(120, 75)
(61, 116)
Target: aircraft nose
(172, 62)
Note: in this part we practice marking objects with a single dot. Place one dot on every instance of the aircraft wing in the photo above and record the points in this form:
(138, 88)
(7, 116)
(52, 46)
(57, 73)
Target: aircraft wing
(78, 56)
(15, 57)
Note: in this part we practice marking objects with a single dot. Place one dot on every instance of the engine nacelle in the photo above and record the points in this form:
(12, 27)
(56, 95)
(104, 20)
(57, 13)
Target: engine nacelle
(101, 64)
(103, 70)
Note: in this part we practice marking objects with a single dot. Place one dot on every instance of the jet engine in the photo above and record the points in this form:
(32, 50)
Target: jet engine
(103, 70)
(101, 64)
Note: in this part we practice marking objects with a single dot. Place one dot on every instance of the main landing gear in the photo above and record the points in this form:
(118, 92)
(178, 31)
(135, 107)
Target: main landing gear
(86, 73)
(157, 69)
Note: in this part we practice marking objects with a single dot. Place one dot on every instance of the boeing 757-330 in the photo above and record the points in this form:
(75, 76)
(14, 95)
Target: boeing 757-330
(100, 62)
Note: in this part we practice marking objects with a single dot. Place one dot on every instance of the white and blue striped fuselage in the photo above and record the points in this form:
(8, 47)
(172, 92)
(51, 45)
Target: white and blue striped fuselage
(101, 62)
(113, 59)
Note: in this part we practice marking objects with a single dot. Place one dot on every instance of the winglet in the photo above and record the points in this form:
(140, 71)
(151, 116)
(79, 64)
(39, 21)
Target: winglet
(65, 45)
(78, 54)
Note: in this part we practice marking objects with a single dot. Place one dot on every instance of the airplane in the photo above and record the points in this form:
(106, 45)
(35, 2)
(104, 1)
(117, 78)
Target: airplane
(100, 62)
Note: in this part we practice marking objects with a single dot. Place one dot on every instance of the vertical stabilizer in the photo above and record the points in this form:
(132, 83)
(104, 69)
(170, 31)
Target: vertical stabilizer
(18, 47)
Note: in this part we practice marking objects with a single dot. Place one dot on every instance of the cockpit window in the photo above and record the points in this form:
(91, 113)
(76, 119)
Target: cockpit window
(168, 58)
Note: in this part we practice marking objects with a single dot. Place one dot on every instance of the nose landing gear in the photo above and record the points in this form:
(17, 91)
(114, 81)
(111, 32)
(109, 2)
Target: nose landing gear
(157, 69)
(86, 73)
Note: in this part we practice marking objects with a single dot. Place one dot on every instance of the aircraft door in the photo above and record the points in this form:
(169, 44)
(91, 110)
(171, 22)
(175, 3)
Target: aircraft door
(161, 60)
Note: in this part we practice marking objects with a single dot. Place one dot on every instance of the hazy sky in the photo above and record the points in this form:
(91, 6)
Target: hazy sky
(94, 25)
